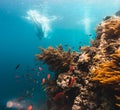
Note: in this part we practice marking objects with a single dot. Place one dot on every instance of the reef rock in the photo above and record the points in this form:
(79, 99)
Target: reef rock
(90, 79)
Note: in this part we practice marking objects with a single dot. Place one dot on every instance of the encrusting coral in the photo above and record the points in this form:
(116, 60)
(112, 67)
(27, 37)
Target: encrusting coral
(90, 79)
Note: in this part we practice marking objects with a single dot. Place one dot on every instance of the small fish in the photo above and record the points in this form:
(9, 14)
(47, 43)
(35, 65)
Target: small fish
(58, 95)
(43, 80)
(20, 98)
(66, 45)
(89, 34)
(29, 107)
(40, 68)
(48, 76)
(71, 69)
(79, 48)
(72, 81)
(17, 66)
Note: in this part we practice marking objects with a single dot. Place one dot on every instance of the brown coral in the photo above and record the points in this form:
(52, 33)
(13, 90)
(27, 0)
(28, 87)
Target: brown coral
(57, 59)
(110, 27)
(94, 82)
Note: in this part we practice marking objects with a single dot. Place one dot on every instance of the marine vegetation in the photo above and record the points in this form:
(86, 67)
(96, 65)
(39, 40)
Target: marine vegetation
(89, 79)
(108, 73)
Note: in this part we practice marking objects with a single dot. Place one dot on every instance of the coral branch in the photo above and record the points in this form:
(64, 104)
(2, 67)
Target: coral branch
(57, 59)
(109, 72)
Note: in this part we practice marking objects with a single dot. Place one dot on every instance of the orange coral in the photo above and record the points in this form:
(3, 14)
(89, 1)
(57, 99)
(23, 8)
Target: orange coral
(109, 72)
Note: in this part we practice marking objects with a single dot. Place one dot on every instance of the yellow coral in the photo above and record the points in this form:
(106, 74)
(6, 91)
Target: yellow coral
(109, 72)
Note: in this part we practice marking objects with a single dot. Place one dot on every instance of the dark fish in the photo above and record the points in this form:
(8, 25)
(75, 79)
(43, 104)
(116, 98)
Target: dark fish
(66, 45)
(17, 66)
(20, 98)
(89, 34)
(79, 47)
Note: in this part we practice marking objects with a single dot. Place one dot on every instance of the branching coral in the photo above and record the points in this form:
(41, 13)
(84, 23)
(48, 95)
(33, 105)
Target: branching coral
(57, 59)
(109, 72)
(110, 27)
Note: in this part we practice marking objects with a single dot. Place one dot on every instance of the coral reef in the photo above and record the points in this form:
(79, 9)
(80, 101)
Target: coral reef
(108, 73)
(57, 59)
(90, 79)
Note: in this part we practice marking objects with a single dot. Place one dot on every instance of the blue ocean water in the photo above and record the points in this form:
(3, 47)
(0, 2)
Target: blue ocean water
(27, 25)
